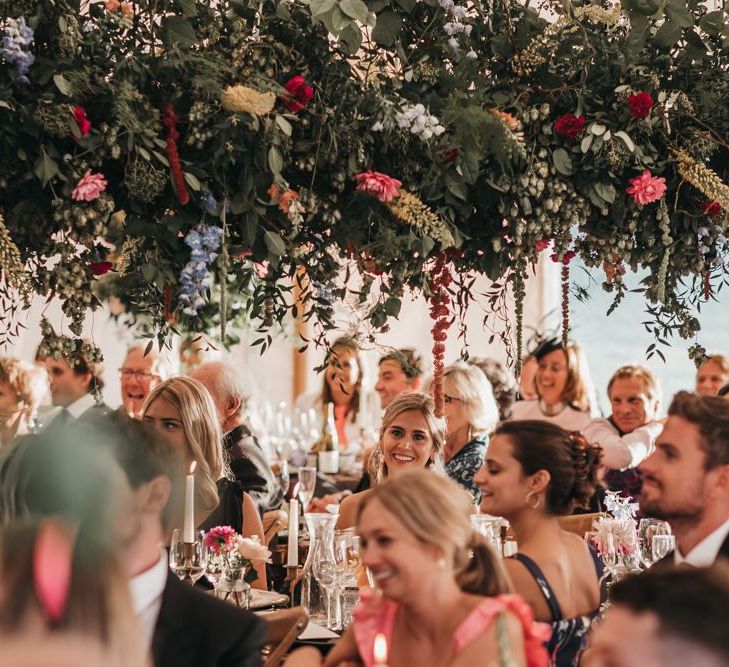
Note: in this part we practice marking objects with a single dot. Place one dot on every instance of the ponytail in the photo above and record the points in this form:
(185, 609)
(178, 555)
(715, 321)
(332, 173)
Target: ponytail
(481, 570)
(586, 457)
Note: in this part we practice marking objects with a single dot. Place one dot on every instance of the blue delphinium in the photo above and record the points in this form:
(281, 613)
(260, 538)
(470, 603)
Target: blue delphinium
(16, 48)
(204, 243)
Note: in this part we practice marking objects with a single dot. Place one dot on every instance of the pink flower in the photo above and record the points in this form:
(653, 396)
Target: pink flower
(640, 105)
(84, 124)
(382, 186)
(542, 244)
(646, 188)
(89, 187)
(566, 258)
(221, 538)
(298, 95)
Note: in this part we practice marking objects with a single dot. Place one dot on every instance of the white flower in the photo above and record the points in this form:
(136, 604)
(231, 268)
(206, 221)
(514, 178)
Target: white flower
(471, 55)
(453, 43)
(446, 4)
(378, 126)
(451, 28)
(458, 13)
(467, 30)
(252, 549)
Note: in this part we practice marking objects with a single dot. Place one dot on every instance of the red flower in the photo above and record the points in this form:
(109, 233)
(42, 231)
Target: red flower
(99, 268)
(640, 105)
(299, 94)
(84, 124)
(566, 259)
(542, 244)
(569, 126)
(711, 208)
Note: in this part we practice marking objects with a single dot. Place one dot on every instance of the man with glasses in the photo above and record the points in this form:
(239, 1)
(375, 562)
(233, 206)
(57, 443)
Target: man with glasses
(140, 373)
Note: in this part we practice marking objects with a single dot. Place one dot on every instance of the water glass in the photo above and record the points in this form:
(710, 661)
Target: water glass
(307, 484)
(325, 571)
(647, 530)
(662, 546)
(280, 468)
(188, 560)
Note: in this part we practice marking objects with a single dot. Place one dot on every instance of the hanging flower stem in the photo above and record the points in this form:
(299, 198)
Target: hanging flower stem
(169, 120)
(440, 313)
(707, 285)
(565, 304)
(519, 294)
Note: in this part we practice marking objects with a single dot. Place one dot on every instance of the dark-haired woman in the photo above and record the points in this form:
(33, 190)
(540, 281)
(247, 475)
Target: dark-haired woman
(534, 473)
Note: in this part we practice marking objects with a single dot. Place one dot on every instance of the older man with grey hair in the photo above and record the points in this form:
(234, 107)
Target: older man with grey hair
(141, 372)
(247, 460)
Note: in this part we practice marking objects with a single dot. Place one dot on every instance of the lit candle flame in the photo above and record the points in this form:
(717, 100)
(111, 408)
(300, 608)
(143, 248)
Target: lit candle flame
(380, 649)
(295, 492)
(193, 465)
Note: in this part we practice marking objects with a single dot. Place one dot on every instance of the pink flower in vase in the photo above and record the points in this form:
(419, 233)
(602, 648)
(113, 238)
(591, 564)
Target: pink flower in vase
(89, 187)
(220, 539)
(379, 185)
(646, 188)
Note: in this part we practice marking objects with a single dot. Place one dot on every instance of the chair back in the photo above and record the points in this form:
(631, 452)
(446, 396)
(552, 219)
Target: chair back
(284, 626)
(273, 521)
(578, 524)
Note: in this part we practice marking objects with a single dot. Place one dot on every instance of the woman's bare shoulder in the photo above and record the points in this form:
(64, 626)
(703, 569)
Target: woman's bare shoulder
(348, 510)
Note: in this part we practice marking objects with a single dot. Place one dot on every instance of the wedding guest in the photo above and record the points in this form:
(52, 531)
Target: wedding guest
(665, 618)
(183, 625)
(23, 386)
(686, 479)
(536, 472)
(55, 584)
(342, 386)
(528, 380)
(628, 436)
(502, 382)
(182, 411)
(563, 387)
(712, 375)
(445, 599)
(245, 456)
(398, 372)
(75, 383)
(471, 414)
(411, 436)
(141, 372)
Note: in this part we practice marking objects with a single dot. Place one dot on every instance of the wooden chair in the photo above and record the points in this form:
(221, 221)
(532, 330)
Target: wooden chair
(284, 626)
(273, 521)
(578, 524)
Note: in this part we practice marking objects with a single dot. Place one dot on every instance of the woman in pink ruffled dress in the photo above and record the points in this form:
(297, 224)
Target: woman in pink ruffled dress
(443, 597)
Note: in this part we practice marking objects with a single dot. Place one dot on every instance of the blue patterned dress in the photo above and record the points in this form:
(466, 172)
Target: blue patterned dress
(464, 465)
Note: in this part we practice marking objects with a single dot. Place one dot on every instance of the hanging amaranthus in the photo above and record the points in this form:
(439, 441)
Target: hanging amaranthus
(11, 264)
(565, 304)
(519, 294)
(704, 179)
(169, 120)
(440, 301)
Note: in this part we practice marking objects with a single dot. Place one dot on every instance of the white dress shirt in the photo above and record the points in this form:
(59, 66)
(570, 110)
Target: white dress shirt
(622, 451)
(568, 418)
(705, 552)
(80, 405)
(146, 590)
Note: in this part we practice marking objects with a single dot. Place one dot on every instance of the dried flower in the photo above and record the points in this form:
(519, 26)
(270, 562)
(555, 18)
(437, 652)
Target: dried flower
(242, 99)
(569, 126)
(89, 187)
(127, 10)
(507, 119)
(383, 187)
(298, 94)
(408, 209)
(704, 179)
(646, 188)
(12, 270)
(640, 104)
(252, 549)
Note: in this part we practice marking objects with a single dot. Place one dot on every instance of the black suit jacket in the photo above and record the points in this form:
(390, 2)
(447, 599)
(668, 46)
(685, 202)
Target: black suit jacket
(194, 629)
(667, 560)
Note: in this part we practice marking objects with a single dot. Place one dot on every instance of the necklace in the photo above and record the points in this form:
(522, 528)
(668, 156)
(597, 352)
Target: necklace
(551, 410)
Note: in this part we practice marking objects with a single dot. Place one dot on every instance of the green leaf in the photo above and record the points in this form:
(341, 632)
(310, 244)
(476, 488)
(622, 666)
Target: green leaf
(646, 7)
(339, 21)
(586, 143)
(45, 168)
(606, 191)
(392, 306)
(597, 129)
(192, 181)
(407, 5)
(356, 9)
(274, 243)
(275, 160)
(679, 13)
(177, 31)
(562, 162)
(188, 7)
(387, 28)
(639, 27)
(623, 136)
(149, 272)
(712, 23)
(63, 86)
(668, 34)
(351, 37)
(250, 228)
(321, 6)
(284, 125)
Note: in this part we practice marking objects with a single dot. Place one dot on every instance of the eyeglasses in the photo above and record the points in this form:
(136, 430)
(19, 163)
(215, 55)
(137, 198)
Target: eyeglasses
(140, 375)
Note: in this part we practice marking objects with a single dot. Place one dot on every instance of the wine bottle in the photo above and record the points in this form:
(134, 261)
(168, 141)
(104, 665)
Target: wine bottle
(328, 444)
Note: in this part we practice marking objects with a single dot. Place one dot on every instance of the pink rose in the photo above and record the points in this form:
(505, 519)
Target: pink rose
(84, 124)
(89, 187)
(382, 186)
(646, 188)
(640, 104)
(253, 550)
(569, 126)
(298, 94)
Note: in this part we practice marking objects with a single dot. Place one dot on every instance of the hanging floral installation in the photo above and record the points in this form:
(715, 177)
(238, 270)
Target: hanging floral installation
(194, 159)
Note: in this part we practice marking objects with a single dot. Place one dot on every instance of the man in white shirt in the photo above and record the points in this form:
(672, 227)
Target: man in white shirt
(686, 479)
(628, 436)
(74, 383)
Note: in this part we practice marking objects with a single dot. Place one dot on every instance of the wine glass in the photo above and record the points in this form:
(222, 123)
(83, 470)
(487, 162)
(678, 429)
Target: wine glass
(188, 560)
(662, 546)
(307, 485)
(609, 556)
(647, 530)
(280, 468)
(325, 571)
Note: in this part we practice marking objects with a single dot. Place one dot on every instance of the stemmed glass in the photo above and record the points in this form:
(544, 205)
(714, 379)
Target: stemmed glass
(348, 562)
(325, 571)
(307, 485)
(280, 468)
(188, 561)
(662, 546)
(647, 530)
